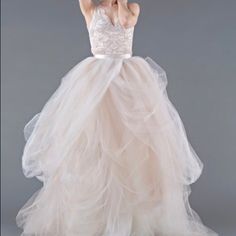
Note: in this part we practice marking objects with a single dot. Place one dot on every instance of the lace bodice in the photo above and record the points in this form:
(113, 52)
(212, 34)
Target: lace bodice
(109, 38)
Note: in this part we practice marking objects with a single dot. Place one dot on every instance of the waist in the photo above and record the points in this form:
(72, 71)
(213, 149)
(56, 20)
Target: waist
(103, 56)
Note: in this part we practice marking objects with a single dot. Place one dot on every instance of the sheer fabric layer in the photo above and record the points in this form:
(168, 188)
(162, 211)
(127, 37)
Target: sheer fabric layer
(113, 156)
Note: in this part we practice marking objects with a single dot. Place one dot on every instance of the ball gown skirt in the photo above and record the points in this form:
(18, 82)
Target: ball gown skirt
(113, 156)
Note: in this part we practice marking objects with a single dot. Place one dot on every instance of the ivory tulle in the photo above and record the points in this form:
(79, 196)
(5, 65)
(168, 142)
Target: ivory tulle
(113, 156)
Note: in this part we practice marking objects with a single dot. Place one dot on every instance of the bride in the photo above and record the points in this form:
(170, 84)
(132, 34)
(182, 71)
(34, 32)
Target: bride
(109, 146)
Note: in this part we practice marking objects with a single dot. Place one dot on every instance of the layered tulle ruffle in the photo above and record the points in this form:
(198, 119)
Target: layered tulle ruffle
(113, 156)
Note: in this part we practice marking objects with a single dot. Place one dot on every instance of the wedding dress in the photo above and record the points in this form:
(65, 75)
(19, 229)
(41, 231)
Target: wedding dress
(110, 149)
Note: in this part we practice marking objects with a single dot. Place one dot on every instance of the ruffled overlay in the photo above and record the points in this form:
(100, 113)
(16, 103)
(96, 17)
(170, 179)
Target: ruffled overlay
(113, 156)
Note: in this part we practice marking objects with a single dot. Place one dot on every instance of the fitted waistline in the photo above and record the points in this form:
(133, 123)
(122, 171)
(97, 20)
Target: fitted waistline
(102, 56)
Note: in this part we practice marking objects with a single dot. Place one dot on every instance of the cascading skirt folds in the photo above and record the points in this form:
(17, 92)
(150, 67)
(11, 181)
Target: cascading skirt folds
(113, 156)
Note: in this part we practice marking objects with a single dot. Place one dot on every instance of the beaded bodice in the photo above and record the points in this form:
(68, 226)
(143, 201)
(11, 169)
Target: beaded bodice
(109, 38)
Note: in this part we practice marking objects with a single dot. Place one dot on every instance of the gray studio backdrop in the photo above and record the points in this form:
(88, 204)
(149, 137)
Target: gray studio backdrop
(194, 40)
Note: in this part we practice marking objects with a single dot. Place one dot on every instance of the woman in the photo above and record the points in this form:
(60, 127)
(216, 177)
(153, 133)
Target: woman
(109, 146)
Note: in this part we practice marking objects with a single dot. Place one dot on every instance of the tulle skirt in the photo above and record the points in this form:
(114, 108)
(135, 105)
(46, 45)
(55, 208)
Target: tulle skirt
(113, 156)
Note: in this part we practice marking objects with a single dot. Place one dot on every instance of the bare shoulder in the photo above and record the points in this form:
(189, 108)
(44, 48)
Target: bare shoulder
(134, 7)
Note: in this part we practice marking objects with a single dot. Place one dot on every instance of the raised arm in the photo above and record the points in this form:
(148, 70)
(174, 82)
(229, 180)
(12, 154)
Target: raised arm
(128, 13)
(87, 7)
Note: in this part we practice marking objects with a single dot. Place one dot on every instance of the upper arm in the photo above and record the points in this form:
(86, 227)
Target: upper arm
(86, 6)
(134, 8)
(133, 18)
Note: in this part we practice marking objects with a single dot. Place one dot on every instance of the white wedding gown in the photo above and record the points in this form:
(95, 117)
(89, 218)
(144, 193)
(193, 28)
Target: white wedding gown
(110, 149)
